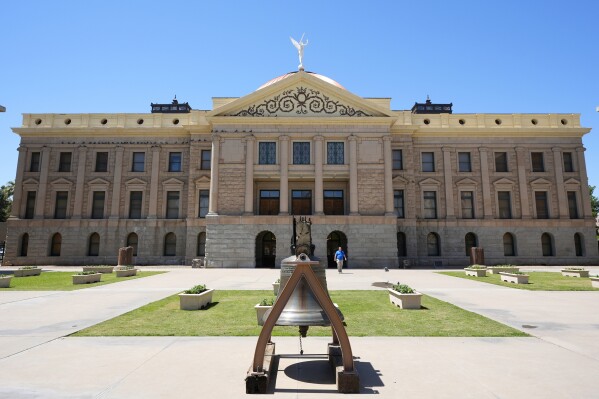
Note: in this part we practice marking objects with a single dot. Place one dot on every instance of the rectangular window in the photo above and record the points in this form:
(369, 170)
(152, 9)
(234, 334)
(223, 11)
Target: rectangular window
(269, 202)
(335, 153)
(572, 205)
(428, 161)
(135, 201)
(98, 204)
(60, 208)
(333, 202)
(430, 204)
(467, 202)
(301, 153)
(204, 203)
(501, 162)
(464, 160)
(65, 162)
(398, 203)
(267, 153)
(206, 159)
(101, 162)
(505, 204)
(172, 204)
(139, 162)
(34, 165)
(397, 160)
(568, 163)
(541, 205)
(537, 162)
(301, 202)
(30, 205)
(174, 162)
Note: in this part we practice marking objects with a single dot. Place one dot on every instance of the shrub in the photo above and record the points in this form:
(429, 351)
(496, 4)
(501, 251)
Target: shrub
(576, 269)
(403, 288)
(267, 302)
(198, 289)
(278, 281)
(477, 267)
(27, 267)
(85, 273)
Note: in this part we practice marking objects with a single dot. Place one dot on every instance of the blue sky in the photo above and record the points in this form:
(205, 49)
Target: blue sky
(119, 56)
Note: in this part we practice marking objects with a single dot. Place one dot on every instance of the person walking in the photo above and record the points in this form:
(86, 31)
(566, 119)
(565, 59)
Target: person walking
(339, 258)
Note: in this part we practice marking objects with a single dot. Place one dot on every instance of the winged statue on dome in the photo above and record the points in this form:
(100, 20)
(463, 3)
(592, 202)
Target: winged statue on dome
(300, 50)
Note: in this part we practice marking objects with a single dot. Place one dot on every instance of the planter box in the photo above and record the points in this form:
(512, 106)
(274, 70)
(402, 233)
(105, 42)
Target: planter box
(260, 312)
(195, 301)
(98, 269)
(28, 272)
(126, 272)
(595, 282)
(476, 272)
(497, 270)
(5, 282)
(87, 278)
(514, 278)
(575, 273)
(405, 301)
(275, 288)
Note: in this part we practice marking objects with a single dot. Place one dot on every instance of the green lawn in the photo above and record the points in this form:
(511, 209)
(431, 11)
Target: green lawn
(62, 281)
(538, 281)
(367, 313)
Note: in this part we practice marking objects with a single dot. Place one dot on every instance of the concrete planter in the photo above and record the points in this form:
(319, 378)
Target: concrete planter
(28, 272)
(195, 301)
(514, 278)
(98, 269)
(405, 301)
(87, 278)
(595, 282)
(476, 272)
(260, 312)
(275, 288)
(5, 282)
(575, 273)
(126, 272)
(497, 270)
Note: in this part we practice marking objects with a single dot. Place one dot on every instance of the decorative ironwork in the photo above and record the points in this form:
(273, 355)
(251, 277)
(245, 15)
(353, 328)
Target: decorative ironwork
(301, 100)
(335, 153)
(267, 153)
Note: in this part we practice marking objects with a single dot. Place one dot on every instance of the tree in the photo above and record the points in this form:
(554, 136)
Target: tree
(6, 193)
(594, 202)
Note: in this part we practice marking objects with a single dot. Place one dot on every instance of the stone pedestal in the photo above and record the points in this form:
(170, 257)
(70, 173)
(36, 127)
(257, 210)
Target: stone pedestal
(125, 256)
(477, 256)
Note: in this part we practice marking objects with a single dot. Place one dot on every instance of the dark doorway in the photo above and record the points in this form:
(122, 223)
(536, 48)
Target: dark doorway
(335, 240)
(266, 249)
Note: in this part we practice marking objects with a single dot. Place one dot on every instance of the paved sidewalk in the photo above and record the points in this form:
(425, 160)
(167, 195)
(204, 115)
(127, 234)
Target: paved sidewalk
(561, 361)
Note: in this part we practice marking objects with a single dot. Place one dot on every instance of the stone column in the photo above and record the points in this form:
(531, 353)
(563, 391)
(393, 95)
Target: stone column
(486, 184)
(353, 175)
(214, 161)
(284, 183)
(15, 211)
(153, 211)
(116, 183)
(318, 186)
(522, 184)
(584, 184)
(249, 174)
(562, 200)
(40, 200)
(82, 155)
(388, 160)
(449, 203)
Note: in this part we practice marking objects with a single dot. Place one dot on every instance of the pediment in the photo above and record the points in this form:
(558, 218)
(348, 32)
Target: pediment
(301, 95)
(572, 182)
(61, 182)
(540, 182)
(99, 182)
(429, 182)
(173, 182)
(466, 182)
(503, 182)
(30, 182)
(135, 182)
(400, 180)
(202, 179)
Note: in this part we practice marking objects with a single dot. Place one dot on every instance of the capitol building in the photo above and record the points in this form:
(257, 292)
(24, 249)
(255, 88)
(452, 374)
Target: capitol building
(415, 187)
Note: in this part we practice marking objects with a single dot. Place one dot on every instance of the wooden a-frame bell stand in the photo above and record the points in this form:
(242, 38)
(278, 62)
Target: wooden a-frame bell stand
(348, 380)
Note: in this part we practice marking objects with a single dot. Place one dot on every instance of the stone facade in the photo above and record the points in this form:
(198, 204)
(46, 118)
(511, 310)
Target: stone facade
(389, 186)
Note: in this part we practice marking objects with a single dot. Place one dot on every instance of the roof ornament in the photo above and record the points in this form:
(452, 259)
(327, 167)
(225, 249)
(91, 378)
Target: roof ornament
(300, 50)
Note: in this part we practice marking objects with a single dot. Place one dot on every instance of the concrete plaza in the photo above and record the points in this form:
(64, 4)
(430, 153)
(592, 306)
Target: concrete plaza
(39, 360)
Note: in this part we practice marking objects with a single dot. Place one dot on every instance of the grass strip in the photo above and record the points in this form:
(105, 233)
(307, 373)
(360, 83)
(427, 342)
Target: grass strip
(62, 281)
(367, 313)
(537, 281)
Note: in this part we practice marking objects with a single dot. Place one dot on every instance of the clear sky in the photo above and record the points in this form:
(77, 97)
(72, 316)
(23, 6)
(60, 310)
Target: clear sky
(119, 56)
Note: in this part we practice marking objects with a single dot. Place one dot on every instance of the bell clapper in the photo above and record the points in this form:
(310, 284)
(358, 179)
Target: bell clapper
(300, 341)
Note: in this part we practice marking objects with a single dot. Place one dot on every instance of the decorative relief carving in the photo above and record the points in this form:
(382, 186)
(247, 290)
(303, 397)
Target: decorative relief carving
(300, 101)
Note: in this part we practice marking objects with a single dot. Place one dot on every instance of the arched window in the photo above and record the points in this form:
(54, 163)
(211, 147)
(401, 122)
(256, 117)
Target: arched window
(432, 244)
(202, 244)
(93, 248)
(401, 244)
(470, 241)
(170, 244)
(24, 245)
(132, 242)
(547, 244)
(578, 244)
(55, 244)
(509, 249)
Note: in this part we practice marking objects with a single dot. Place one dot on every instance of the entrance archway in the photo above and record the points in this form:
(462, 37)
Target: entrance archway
(266, 249)
(335, 240)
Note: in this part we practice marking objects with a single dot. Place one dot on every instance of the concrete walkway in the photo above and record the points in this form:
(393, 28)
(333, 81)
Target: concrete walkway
(37, 361)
